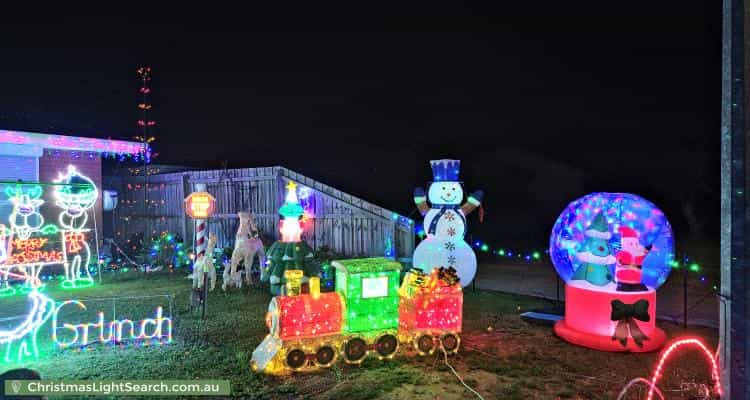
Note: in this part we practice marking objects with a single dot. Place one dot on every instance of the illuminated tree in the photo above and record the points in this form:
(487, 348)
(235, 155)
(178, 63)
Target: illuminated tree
(291, 252)
(595, 255)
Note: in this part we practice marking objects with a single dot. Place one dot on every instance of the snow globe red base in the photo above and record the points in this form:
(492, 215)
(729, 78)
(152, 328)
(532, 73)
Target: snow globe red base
(613, 250)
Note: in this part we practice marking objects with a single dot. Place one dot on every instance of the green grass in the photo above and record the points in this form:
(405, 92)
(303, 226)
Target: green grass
(513, 360)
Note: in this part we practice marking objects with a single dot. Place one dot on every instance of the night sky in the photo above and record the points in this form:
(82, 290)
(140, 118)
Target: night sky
(363, 99)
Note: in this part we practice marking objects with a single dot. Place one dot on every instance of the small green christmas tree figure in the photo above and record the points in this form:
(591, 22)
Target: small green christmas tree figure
(291, 252)
(595, 254)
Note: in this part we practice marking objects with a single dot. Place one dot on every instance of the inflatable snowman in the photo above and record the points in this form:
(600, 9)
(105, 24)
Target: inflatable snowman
(445, 222)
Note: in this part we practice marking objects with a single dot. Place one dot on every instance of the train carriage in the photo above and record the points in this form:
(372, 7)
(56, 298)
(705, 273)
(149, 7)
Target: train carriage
(367, 314)
(430, 313)
(369, 288)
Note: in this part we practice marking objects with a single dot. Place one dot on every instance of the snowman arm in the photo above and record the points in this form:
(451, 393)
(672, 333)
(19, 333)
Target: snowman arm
(474, 201)
(420, 199)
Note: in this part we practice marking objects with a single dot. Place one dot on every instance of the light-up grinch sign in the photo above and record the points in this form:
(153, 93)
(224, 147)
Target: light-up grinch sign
(27, 244)
(66, 335)
(68, 328)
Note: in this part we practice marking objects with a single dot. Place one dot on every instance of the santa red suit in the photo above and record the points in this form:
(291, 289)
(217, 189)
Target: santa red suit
(628, 271)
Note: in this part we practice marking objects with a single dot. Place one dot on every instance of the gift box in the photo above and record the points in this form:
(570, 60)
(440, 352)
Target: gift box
(430, 303)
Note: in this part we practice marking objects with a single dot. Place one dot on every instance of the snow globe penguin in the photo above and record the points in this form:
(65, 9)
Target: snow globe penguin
(613, 250)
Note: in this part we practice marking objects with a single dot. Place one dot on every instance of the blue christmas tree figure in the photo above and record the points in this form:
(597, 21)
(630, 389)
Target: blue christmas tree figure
(595, 254)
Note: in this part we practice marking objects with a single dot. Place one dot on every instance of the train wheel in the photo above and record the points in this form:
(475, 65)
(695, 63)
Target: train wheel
(325, 356)
(450, 342)
(295, 359)
(386, 345)
(425, 344)
(355, 350)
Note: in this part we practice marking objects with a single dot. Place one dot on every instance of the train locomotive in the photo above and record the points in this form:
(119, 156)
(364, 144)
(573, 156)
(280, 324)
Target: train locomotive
(368, 313)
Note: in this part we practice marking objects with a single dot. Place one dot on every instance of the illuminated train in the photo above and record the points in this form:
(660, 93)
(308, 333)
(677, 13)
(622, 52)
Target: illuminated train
(366, 314)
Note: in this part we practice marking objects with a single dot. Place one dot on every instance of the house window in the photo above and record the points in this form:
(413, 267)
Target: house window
(12, 169)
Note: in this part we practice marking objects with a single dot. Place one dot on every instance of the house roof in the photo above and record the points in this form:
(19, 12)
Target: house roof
(64, 142)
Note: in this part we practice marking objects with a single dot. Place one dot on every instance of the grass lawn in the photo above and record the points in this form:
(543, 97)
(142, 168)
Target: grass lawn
(502, 357)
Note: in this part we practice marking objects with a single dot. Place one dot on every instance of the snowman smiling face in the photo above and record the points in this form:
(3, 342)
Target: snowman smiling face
(446, 193)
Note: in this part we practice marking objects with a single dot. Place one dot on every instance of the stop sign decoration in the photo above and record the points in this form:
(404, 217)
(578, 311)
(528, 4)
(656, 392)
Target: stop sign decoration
(200, 205)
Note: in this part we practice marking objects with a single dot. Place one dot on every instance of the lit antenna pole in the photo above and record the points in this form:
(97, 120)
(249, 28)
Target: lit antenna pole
(144, 74)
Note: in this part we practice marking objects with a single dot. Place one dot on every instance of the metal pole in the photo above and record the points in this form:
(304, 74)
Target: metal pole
(734, 327)
(114, 312)
(204, 294)
(145, 192)
(684, 291)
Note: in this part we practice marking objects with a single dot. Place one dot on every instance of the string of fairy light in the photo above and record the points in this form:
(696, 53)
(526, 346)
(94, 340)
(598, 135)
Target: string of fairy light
(144, 122)
(541, 256)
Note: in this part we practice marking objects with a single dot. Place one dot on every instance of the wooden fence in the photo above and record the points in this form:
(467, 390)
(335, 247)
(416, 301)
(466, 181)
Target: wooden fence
(344, 223)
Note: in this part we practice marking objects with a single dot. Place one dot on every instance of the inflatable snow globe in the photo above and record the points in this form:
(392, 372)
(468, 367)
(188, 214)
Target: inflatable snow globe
(613, 250)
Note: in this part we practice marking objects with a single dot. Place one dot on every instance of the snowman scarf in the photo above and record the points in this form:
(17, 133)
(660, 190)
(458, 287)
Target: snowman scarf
(443, 209)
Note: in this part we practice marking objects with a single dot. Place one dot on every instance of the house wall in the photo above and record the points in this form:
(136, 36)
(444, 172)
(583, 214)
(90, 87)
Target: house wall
(53, 162)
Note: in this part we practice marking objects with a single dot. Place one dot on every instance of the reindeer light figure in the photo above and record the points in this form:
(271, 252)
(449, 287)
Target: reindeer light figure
(25, 218)
(75, 195)
(247, 244)
(25, 222)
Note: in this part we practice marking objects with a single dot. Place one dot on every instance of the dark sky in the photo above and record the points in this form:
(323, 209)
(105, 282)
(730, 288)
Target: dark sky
(363, 98)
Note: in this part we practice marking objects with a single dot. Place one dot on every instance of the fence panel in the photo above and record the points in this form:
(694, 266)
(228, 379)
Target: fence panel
(338, 220)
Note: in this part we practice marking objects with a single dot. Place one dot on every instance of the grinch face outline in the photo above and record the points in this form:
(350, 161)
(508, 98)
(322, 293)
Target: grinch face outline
(446, 193)
(77, 193)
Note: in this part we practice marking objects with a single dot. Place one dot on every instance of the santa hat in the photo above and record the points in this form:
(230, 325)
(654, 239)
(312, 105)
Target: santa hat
(598, 228)
(627, 232)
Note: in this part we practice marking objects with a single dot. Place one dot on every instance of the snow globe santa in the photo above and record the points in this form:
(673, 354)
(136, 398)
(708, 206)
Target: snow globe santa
(445, 222)
(613, 250)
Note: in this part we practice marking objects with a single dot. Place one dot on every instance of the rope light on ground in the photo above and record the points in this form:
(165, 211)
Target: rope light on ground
(664, 357)
(645, 381)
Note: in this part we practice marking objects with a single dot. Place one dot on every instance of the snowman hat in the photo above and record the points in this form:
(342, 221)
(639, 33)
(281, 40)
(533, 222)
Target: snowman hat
(628, 232)
(598, 228)
(445, 170)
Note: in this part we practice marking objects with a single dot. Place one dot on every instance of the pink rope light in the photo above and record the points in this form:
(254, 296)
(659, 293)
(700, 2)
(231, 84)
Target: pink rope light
(668, 352)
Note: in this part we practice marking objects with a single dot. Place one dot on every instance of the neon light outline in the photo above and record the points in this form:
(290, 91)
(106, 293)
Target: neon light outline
(672, 347)
(25, 204)
(27, 331)
(113, 328)
(73, 219)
